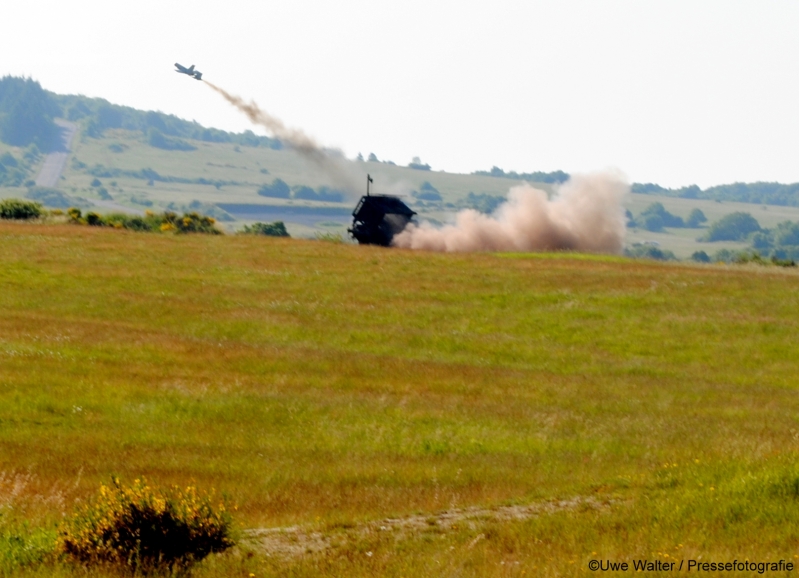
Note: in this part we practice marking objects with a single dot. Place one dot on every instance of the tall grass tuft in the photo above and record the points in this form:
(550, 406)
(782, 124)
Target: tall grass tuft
(144, 528)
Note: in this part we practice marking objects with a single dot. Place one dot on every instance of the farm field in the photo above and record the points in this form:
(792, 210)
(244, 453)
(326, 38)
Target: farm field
(567, 407)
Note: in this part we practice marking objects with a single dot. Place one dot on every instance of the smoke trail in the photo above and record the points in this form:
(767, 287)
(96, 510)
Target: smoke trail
(584, 215)
(336, 167)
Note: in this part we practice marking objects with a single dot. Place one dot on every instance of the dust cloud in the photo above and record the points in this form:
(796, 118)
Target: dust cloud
(585, 214)
(334, 165)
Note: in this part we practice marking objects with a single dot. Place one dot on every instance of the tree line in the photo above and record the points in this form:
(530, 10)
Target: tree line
(27, 113)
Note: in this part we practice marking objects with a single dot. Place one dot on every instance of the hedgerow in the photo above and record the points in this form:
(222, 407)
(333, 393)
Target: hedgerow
(167, 221)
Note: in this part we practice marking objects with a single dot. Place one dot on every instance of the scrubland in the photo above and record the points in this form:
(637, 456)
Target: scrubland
(636, 409)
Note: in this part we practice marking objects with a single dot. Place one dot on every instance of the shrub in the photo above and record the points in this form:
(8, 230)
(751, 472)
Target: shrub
(276, 229)
(278, 190)
(427, 192)
(648, 251)
(189, 223)
(17, 209)
(695, 219)
(144, 528)
(655, 217)
(156, 139)
(733, 227)
(94, 220)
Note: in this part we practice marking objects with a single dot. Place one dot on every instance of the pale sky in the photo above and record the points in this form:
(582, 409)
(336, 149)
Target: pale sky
(673, 92)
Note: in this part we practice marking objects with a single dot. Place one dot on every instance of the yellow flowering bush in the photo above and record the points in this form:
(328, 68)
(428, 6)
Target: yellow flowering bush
(145, 528)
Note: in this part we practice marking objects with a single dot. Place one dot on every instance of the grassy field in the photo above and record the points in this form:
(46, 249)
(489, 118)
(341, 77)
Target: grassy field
(331, 386)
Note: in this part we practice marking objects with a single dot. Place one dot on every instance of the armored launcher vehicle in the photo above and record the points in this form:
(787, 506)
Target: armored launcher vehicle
(377, 218)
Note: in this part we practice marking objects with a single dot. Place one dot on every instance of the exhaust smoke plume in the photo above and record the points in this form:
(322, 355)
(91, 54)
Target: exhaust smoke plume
(335, 166)
(584, 215)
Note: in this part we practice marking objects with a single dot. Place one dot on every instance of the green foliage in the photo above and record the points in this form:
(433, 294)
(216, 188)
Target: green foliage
(780, 243)
(743, 257)
(168, 221)
(94, 220)
(24, 546)
(759, 192)
(786, 233)
(189, 223)
(554, 177)
(157, 139)
(18, 209)
(484, 202)
(276, 229)
(147, 174)
(144, 528)
(139, 200)
(12, 171)
(416, 164)
(427, 192)
(700, 257)
(649, 251)
(7, 160)
(733, 227)
(324, 194)
(100, 115)
(95, 182)
(26, 113)
(278, 190)
(783, 262)
(50, 197)
(753, 256)
(206, 209)
(655, 217)
(651, 222)
(695, 219)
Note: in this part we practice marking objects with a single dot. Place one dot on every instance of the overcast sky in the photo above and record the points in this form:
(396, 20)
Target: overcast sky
(673, 92)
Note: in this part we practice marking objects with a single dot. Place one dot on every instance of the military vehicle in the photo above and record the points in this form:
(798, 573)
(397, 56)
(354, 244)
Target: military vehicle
(377, 218)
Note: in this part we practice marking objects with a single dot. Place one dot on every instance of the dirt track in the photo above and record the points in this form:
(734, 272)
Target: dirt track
(293, 541)
(55, 162)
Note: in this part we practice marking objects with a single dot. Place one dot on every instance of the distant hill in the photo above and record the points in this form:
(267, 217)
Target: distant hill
(27, 112)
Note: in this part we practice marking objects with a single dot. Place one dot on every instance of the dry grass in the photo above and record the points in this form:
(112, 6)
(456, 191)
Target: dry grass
(324, 385)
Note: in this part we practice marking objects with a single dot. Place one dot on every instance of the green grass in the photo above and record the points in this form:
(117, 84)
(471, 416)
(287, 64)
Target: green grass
(327, 384)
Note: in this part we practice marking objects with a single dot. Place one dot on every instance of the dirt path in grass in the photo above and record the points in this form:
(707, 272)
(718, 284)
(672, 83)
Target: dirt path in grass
(292, 541)
(55, 162)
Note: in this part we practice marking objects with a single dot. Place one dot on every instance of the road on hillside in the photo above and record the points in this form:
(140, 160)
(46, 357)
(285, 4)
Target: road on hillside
(55, 163)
